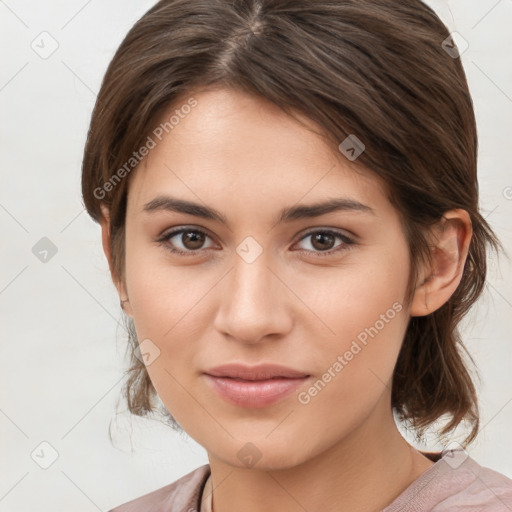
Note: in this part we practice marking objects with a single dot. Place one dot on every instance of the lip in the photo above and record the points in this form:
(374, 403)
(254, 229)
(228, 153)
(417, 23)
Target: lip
(256, 386)
(259, 372)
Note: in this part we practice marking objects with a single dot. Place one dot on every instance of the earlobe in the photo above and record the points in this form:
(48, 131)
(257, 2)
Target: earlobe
(451, 238)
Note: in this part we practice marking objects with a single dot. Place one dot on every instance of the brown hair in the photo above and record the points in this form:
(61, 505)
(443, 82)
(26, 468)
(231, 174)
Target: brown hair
(373, 68)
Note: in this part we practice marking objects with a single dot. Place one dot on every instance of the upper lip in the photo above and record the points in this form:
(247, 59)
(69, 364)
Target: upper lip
(259, 372)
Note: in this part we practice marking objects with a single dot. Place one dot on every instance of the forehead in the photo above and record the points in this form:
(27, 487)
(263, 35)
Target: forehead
(234, 148)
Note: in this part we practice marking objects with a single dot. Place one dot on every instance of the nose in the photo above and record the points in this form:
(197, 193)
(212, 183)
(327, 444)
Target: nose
(254, 302)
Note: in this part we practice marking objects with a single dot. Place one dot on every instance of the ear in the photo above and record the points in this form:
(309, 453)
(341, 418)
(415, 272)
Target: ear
(449, 249)
(105, 240)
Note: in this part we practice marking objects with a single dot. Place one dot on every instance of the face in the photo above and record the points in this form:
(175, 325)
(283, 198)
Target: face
(322, 294)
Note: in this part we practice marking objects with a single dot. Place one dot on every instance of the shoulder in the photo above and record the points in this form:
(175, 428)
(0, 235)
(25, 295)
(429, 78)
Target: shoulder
(456, 483)
(479, 488)
(183, 495)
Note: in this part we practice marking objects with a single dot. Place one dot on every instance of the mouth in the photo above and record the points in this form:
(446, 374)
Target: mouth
(254, 373)
(255, 387)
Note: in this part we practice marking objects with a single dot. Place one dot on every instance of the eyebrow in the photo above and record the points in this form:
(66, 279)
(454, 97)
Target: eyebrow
(291, 213)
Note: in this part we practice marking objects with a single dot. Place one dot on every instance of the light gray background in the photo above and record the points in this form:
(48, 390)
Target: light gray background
(62, 339)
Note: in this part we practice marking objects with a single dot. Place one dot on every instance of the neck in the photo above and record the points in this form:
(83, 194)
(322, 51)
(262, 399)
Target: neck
(364, 472)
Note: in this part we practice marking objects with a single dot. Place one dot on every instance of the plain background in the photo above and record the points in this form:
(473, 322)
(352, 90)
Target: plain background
(63, 343)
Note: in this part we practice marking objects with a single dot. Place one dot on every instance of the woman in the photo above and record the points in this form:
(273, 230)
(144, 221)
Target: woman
(288, 198)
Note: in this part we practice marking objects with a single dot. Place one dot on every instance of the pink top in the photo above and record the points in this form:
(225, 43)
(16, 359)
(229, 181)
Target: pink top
(454, 483)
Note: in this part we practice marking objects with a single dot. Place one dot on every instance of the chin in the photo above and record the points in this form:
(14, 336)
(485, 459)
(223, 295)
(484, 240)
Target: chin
(261, 455)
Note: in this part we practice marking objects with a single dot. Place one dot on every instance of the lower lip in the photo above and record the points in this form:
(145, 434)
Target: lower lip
(260, 393)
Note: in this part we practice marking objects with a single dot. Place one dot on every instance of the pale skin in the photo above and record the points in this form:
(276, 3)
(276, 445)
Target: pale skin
(246, 159)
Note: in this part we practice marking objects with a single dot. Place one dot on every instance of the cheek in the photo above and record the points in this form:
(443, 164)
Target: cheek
(171, 307)
(364, 310)
(162, 295)
(355, 367)
(168, 306)
(365, 292)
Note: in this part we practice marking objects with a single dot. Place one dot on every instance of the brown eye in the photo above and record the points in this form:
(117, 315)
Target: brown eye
(323, 242)
(191, 240)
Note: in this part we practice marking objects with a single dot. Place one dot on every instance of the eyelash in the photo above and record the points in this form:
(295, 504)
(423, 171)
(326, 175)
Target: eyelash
(347, 242)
